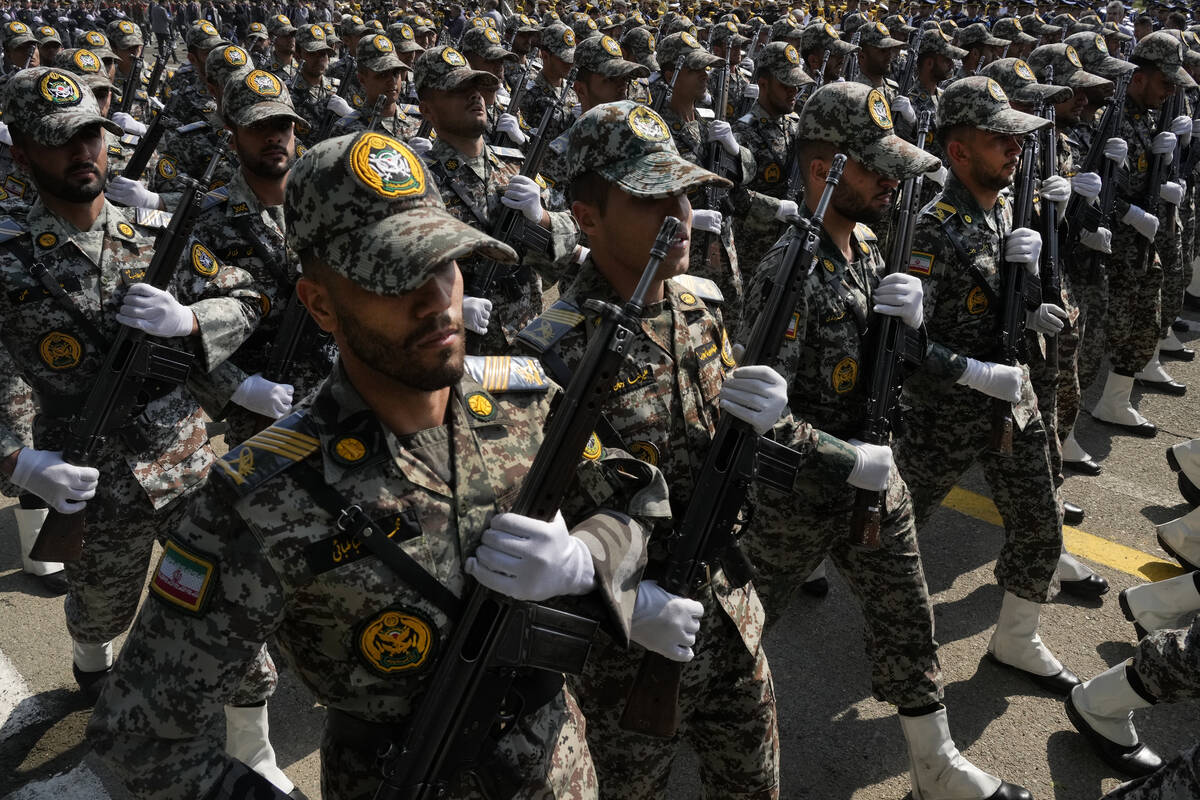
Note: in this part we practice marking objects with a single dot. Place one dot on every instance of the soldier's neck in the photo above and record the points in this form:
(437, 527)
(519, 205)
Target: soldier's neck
(81, 215)
(983, 195)
(469, 146)
(401, 409)
(269, 191)
(684, 107)
(838, 229)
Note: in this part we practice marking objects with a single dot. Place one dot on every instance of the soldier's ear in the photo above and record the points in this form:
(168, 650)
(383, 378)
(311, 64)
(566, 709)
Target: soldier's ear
(587, 215)
(316, 298)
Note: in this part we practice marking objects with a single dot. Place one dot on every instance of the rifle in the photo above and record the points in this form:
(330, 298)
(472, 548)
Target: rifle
(1158, 175)
(850, 62)
(160, 66)
(819, 79)
(1011, 333)
(510, 224)
(331, 118)
(891, 347)
(134, 360)
(706, 532)
(466, 694)
(980, 64)
(130, 87)
(909, 76)
(140, 158)
(514, 104)
(376, 112)
(657, 104)
(1080, 214)
(1050, 269)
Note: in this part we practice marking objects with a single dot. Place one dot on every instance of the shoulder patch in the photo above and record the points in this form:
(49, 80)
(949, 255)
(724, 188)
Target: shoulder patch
(214, 198)
(191, 127)
(268, 453)
(865, 233)
(703, 288)
(10, 229)
(507, 152)
(151, 217)
(943, 211)
(508, 373)
(920, 263)
(550, 326)
(184, 577)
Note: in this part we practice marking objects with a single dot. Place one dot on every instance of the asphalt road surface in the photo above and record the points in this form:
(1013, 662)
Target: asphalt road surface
(837, 741)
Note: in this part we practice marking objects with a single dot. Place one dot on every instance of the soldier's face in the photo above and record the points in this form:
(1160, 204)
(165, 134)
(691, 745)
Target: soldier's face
(1069, 111)
(285, 46)
(990, 159)
(73, 172)
(18, 56)
(941, 69)
(621, 237)
(862, 195)
(461, 112)
(599, 89)
(313, 65)
(125, 57)
(267, 148)
(386, 83)
(103, 99)
(876, 60)
(692, 84)
(776, 97)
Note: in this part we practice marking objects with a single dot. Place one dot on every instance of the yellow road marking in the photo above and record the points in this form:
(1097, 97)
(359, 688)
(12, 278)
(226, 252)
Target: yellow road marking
(1078, 542)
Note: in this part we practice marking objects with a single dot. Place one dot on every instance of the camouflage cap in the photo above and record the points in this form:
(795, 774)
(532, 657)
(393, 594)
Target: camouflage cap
(280, 25)
(852, 22)
(47, 35)
(201, 35)
(602, 54)
(520, 23)
(1165, 52)
(1036, 26)
(1068, 68)
(352, 25)
(1063, 21)
(123, 34)
(403, 37)
(781, 60)
(17, 34)
(224, 60)
(626, 143)
(1087, 23)
(423, 25)
(938, 43)
(857, 120)
(313, 39)
(97, 42)
(376, 53)
(726, 32)
(1111, 29)
(559, 40)
(876, 34)
(486, 43)
(978, 34)
(980, 102)
(445, 68)
(252, 95)
(1010, 29)
(256, 30)
(785, 29)
(821, 35)
(896, 24)
(679, 25)
(86, 65)
(584, 27)
(50, 105)
(374, 25)
(1017, 80)
(638, 46)
(364, 204)
(685, 46)
(1093, 52)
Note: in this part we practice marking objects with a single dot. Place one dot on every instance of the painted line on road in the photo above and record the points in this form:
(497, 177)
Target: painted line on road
(1078, 542)
(18, 707)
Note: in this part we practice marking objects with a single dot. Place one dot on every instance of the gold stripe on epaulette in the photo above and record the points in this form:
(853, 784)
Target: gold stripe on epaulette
(562, 315)
(286, 443)
(495, 373)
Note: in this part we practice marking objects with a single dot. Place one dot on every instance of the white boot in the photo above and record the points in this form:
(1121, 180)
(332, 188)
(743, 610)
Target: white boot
(1071, 568)
(92, 657)
(1159, 605)
(1072, 451)
(936, 770)
(1181, 538)
(1187, 459)
(1016, 643)
(1106, 703)
(246, 740)
(1114, 406)
(1169, 343)
(29, 524)
(1154, 372)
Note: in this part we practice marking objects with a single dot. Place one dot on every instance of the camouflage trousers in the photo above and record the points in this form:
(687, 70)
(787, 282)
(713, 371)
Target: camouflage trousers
(943, 441)
(727, 713)
(1131, 324)
(1177, 779)
(1081, 346)
(1168, 662)
(789, 537)
(1175, 276)
(1046, 375)
(352, 773)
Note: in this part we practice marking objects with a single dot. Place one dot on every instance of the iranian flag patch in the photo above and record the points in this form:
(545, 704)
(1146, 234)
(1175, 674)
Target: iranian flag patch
(183, 578)
(920, 263)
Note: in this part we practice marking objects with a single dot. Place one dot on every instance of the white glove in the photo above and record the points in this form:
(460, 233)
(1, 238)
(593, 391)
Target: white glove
(1116, 150)
(904, 109)
(1056, 189)
(1099, 240)
(134, 194)
(707, 221)
(995, 380)
(263, 397)
(665, 623)
(872, 465)
(65, 487)
(1163, 144)
(5, 136)
(582, 253)
(339, 106)
(787, 209)
(1144, 223)
(420, 145)
(1181, 126)
(477, 313)
(751, 91)
(707, 99)
(1023, 246)
(1171, 192)
(510, 127)
(756, 394)
(1046, 319)
(502, 96)
(747, 65)
(528, 559)
(128, 123)
(1087, 185)
(155, 312)
(938, 175)
(901, 295)
(719, 131)
(524, 195)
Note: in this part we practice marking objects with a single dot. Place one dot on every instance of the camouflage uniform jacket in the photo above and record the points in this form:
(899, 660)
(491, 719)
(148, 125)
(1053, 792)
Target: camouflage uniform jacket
(664, 404)
(737, 87)
(59, 360)
(17, 190)
(284, 71)
(260, 558)
(186, 150)
(886, 85)
(245, 234)
(310, 102)
(138, 108)
(190, 102)
(400, 123)
(540, 97)
(1138, 128)
(769, 139)
(183, 81)
(956, 252)
(472, 189)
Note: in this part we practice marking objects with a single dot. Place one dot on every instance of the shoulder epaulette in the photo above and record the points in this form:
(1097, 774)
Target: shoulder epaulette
(130, 140)
(559, 145)
(746, 118)
(705, 113)
(198, 125)
(508, 373)
(151, 217)
(10, 229)
(507, 152)
(550, 326)
(214, 197)
(864, 232)
(269, 452)
(942, 210)
(706, 290)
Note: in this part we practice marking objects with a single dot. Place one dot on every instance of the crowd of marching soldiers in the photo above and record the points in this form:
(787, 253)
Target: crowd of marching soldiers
(884, 244)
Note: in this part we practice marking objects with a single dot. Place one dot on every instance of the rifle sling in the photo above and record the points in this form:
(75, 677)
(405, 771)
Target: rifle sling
(41, 273)
(976, 273)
